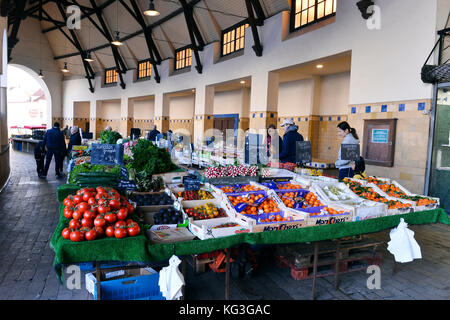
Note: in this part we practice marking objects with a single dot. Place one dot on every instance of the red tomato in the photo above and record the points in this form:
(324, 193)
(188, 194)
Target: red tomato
(89, 214)
(74, 224)
(114, 204)
(68, 213)
(119, 224)
(99, 221)
(76, 236)
(109, 231)
(83, 207)
(87, 223)
(100, 231)
(91, 201)
(100, 190)
(110, 217)
(79, 192)
(120, 233)
(77, 215)
(77, 199)
(68, 202)
(87, 196)
(133, 230)
(130, 208)
(129, 221)
(122, 214)
(66, 233)
(103, 209)
(90, 235)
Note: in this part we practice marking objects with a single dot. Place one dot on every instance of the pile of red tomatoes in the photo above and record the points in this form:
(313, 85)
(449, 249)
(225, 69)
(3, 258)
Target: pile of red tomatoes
(96, 213)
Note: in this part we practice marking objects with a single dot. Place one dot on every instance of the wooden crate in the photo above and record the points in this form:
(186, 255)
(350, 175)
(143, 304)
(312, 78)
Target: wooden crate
(354, 255)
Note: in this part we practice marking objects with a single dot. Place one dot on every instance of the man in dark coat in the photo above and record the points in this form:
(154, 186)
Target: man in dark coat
(152, 134)
(290, 138)
(56, 146)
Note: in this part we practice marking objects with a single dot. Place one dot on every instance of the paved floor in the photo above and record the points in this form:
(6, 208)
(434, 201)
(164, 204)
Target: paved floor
(28, 217)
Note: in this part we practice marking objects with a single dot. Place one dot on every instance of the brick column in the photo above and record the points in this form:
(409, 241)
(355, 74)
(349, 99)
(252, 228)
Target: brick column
(126, 116)
(264, 101)
(203, 115)
(162, 105)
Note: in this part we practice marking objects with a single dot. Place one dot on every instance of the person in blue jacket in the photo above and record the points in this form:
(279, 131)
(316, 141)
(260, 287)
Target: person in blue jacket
(56, 147)
(290, 138)
(152, 134)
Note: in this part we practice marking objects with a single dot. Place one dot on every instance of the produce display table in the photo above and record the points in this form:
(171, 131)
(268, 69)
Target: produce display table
(25, 145)
(139, 249)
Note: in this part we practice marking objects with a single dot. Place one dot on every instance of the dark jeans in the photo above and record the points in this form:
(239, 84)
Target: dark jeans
(58, 161)
(346, 173)
(40, 165)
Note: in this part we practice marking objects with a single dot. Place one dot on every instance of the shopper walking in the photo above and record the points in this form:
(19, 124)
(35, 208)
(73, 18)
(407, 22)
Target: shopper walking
(290, 138)
(350, 137)
(39, 156)
(56, 147)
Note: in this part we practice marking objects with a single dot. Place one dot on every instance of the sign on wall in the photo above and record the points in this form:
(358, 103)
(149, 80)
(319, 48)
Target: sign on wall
(380, 135)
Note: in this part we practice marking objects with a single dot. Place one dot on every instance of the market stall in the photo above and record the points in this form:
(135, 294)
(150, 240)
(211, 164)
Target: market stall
(148, 209)
(26, 138)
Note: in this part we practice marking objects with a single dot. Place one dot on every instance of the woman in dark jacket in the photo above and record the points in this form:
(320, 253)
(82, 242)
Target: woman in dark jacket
(75, 140)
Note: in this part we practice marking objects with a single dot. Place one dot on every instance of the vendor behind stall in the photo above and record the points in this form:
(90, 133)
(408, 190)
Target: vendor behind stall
(290, 138)
(75, 140)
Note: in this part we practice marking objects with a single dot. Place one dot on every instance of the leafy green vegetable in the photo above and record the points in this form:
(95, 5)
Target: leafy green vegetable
(85, 167)
(151, 159)
(109, 137)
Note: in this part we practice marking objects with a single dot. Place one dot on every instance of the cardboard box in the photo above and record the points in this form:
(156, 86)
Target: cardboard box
(361, 209)
(169, 235)
(255, 225)
(206, 229)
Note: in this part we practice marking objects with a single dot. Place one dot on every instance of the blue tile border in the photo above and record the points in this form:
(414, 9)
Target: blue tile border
(421, 106)
(353, 109)
(384, 108)
(368, 109)
(401, 107)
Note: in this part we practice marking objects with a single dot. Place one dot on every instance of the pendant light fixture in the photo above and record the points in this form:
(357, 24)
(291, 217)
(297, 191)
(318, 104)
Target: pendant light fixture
(40, 60)
(88, 56)
(151, 11)
(65, 70)
(116, 40)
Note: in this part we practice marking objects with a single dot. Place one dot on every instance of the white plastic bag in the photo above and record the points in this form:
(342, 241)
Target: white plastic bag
(403, 245)
(171, 280)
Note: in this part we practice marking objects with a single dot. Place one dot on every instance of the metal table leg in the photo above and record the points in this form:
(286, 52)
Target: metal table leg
(183, 271)
(227, 275)
(97, 275)
(316, 250)
(336, 268)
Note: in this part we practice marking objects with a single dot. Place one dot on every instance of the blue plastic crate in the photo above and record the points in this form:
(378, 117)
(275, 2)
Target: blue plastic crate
(143, 287)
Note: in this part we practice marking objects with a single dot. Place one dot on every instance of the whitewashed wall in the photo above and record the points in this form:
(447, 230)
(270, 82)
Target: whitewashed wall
(385, 63)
